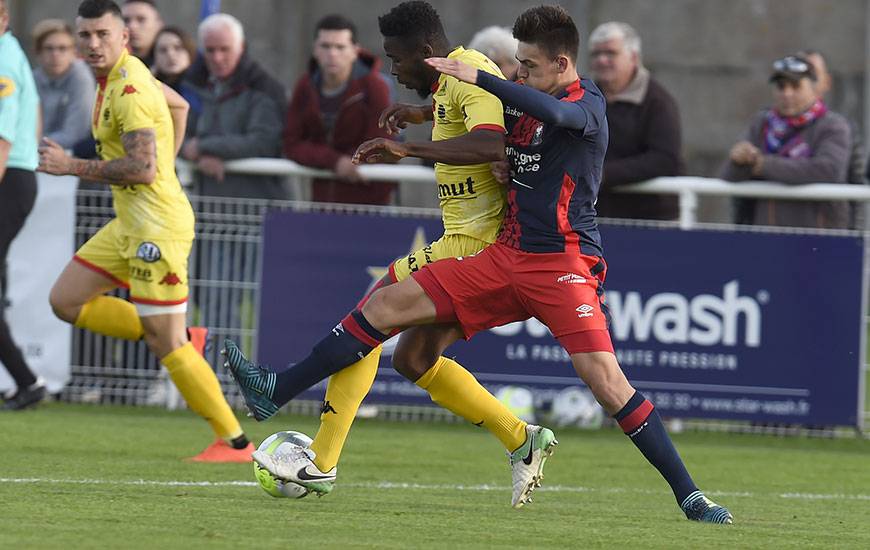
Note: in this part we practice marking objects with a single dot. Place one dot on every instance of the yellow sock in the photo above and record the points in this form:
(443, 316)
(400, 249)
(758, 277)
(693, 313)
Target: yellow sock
(197, 382)
(458, 391)
(344, 393)
(111, 316)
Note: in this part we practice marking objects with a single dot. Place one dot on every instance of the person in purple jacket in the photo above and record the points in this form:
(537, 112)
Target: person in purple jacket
(797, 140)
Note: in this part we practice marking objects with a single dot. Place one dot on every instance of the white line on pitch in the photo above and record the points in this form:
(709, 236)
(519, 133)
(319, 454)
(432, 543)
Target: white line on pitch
(421, 486)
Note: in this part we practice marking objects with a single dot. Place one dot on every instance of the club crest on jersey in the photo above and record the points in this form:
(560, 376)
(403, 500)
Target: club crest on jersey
(527, 131)
(148, 252)
(129, 89)
(538, 136)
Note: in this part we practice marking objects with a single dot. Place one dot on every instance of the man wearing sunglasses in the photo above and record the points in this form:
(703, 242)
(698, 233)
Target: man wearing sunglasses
(795, 141)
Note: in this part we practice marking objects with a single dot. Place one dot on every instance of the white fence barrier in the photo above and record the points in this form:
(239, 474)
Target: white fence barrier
(688, 188)
(225, 294)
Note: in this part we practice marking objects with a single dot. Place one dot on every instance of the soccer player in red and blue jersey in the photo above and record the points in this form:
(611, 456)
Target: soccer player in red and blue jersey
(548, 260)
(467, 135)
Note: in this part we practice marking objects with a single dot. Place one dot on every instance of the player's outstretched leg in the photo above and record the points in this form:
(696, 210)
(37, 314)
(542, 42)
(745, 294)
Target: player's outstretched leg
(256, 383)
(266, 391)
(527, 463)
(642, 424)
(298, 466)
(640, 421)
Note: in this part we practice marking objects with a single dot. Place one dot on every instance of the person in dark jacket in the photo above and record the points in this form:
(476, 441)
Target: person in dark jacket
(143, 21)
(242, 113)
(645, 134)
(334, 108)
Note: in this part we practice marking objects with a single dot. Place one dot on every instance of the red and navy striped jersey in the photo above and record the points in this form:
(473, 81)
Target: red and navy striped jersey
(556, 146)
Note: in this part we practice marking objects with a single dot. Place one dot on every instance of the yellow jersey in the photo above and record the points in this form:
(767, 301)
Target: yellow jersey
(129, 99)
(472, 201)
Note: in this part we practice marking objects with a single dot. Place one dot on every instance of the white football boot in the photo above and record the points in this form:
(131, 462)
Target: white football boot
(527, 463)
(297, 466)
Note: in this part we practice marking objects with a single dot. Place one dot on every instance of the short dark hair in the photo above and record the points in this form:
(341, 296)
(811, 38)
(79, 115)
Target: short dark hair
(550, 28)
(94, 9)
(415, 19)
(150, 2)
(335, 22)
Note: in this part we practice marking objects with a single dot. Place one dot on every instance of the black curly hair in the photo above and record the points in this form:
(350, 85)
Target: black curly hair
(550, 28)
(414, 20)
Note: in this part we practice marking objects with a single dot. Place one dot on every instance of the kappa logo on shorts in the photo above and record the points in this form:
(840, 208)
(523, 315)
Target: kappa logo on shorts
(571, 279)
(148, 252)
(170, 279)
(585, 310)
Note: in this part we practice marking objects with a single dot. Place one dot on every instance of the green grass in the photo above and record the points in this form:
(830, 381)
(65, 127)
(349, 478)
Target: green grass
(606, 496)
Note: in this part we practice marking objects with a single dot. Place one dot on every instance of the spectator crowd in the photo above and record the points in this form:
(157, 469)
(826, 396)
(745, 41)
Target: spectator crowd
(239, 110)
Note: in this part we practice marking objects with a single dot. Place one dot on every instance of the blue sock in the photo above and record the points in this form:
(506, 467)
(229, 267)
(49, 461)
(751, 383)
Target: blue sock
(350, 341)
(642, 424)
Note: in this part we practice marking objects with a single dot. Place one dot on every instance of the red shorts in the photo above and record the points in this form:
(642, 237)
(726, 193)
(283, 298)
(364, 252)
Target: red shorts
(501, 285)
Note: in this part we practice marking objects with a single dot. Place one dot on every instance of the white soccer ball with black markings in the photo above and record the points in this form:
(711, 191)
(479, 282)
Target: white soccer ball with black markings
(277, 444)
(576, 406)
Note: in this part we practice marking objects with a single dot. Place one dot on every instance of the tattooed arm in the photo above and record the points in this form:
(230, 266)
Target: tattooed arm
(138, 166)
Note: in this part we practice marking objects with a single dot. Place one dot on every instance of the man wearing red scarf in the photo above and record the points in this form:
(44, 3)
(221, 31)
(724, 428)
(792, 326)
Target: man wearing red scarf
(796, 141)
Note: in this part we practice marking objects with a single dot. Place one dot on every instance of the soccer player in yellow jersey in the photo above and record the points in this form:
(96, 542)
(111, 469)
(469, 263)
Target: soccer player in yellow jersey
(467, 136)
(138, 124)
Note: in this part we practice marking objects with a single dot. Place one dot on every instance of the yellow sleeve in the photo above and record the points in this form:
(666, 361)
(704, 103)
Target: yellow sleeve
(481, 109)
(134, 107)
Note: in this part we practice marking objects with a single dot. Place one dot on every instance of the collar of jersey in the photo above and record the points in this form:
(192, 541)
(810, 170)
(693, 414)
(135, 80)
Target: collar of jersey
(115, 72)
(457, 51)
(570, 88)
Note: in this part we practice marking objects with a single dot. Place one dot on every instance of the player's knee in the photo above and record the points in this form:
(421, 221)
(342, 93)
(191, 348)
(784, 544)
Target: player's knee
(601, 373)
(62, 306)
(380, 309)
(162, 345)
(413, 364)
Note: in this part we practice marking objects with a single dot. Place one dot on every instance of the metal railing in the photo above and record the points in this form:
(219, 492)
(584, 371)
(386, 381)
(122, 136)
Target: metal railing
(226, 259)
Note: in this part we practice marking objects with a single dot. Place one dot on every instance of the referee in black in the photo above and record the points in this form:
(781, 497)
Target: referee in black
(19, 128)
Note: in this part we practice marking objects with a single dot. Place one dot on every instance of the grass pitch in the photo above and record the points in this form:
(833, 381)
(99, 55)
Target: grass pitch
(76, 476)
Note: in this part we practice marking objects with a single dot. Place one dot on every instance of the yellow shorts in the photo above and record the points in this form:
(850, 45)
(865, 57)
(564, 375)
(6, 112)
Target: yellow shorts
(448, 246)
(155, 270)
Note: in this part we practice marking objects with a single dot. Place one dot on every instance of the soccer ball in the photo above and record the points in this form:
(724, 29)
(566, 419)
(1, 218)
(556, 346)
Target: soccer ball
(576, 406)
(276, 444)
(519, 401)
